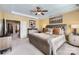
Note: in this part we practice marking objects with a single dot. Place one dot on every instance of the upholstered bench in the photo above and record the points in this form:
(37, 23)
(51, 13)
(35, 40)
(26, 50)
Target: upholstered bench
(5, 43)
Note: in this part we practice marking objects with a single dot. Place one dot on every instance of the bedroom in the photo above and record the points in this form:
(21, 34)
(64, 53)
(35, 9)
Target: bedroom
(56, 26)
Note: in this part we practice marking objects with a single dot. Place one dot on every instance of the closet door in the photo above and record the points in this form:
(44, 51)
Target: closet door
(23, 29)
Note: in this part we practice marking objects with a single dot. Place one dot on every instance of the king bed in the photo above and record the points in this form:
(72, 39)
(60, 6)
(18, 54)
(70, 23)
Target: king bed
(45, 42)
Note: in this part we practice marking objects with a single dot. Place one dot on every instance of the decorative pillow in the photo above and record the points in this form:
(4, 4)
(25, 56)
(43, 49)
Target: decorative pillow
(56, 31)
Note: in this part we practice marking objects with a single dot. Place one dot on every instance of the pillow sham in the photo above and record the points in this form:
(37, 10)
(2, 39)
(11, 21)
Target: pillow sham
(56, 31)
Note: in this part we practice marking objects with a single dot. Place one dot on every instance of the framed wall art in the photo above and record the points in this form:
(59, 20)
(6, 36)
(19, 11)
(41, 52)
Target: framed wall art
(57, 19)
(32, 23)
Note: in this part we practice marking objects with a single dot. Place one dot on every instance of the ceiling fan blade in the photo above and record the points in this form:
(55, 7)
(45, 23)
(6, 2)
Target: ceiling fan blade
(33, 10)
(35, 13)
(42, 13)
(38, 7)
(77, 5)
(38, 11)
(44, 10)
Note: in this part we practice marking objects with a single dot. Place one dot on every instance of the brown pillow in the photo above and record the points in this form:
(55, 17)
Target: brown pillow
(56, 31)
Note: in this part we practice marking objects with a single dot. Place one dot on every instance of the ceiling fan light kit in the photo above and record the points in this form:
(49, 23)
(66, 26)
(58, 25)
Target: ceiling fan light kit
(39, 11)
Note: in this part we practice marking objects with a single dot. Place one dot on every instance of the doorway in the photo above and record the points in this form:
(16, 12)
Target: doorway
(13, 28)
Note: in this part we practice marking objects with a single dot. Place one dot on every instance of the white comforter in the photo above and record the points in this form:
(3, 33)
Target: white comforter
(56, 43)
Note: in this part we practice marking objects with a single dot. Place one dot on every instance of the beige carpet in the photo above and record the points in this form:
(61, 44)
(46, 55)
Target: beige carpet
(67, 49)
(23, 47)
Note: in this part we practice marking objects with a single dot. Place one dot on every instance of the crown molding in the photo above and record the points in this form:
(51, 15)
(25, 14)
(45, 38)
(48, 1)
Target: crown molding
(21, 14)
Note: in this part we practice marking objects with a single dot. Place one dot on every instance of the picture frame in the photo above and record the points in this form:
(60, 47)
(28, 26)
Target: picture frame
(56, 19)
(32, 23)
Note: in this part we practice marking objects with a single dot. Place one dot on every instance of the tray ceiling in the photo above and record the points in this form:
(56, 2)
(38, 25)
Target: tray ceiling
(53, 9)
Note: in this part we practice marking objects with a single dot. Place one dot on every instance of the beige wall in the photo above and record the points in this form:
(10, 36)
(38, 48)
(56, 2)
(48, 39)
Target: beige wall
(43, 22)
(1, 16)
(9, 16)
(71, 18)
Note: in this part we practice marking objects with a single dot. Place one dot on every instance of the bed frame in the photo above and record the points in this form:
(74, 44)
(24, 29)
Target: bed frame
(41, 44)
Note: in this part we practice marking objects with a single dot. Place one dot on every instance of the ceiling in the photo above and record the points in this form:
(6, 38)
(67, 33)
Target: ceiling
(24, 9)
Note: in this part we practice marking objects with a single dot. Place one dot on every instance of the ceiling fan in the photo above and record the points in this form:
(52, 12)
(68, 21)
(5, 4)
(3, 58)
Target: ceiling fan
(39, 11)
